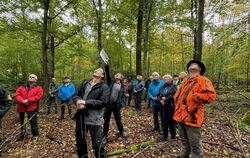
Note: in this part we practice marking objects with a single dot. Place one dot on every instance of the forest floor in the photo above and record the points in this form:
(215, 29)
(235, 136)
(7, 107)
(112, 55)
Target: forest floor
(57, 138)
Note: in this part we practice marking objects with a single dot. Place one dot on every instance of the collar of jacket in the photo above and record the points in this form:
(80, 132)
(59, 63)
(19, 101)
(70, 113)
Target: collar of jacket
(27, 85)
(168, 84)
(156, 82)
(96, 85)
(194, 78)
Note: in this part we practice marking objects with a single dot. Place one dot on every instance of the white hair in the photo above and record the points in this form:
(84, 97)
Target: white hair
(167, 76)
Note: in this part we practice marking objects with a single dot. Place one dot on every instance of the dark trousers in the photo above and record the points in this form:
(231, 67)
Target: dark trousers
(138, 101)
(116, 110)
(167, 122)
(149, 100)
(96, 134)
(130, 97)
(54, 101)
(64, 104)
(32, 117)
(191, 141)
(156, 111)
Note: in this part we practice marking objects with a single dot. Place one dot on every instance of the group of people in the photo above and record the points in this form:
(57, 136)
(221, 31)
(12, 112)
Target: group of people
(178, 99)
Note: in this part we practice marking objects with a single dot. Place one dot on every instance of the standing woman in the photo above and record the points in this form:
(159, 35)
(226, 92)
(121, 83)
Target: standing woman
(167, 106)
(130, 89)
(117, 93)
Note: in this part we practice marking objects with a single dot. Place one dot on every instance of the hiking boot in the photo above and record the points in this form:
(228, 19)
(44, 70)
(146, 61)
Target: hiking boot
(20, 138)
(180, 156)
(154, 129)
(61, 117)
(35, 138)
(123, 134)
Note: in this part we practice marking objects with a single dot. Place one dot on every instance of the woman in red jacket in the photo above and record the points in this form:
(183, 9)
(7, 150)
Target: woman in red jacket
(27, 97)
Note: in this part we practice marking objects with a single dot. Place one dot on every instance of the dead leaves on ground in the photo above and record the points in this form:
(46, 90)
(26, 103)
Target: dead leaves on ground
(57, 138)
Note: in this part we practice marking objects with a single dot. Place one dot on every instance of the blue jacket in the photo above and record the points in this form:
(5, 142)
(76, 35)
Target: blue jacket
(153, 91)
(66, 92)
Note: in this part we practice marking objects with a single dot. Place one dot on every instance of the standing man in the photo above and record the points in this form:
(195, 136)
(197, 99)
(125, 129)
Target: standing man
(117, 94)
(53, 91)
(28, 97)
(130, 89)
(193, 93)
(5, 104)
(138, 89)
(182, 75)
(90, 98)
(66, 92)
(153, 92)
(175, 79)
(146, 88)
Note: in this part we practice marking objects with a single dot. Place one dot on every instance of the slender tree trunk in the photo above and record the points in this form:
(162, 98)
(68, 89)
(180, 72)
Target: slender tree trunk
(148, 8)
(52, 51)
(218, 79)
(193, 23)
(198, 53)
(248, 54)
(139, 37)
(99, 26)
(248, 68)
(130, 57)
(182, 53)
(44, 46)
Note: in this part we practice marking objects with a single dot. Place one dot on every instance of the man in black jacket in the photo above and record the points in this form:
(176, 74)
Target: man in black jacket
(117, 92)
(90, 98)
(5, 104)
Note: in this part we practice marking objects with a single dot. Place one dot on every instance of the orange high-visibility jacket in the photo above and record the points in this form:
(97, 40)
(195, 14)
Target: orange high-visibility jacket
(190, 98)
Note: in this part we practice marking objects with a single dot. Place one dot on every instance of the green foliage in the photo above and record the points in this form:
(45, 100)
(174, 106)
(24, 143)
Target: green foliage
(246, 119)
(74, 26)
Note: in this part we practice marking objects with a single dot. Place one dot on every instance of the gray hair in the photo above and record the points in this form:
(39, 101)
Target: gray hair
(167, 76)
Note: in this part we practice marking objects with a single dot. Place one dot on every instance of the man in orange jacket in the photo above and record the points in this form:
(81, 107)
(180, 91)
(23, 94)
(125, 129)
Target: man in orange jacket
(193, 93)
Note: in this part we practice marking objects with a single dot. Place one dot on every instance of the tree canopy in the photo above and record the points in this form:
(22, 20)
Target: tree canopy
(64, 37)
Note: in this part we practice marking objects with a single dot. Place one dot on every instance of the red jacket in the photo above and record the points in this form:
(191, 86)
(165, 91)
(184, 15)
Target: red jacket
(32, 94)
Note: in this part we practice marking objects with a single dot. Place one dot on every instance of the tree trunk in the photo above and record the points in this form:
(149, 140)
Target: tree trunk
(148, 8)
(44, 47)
(248, 54)
(248, 67)
(182, 53)
(139, 37)
(52, 51)
(130, 57)
(198, 53)
(193, 23)
(99, 26)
